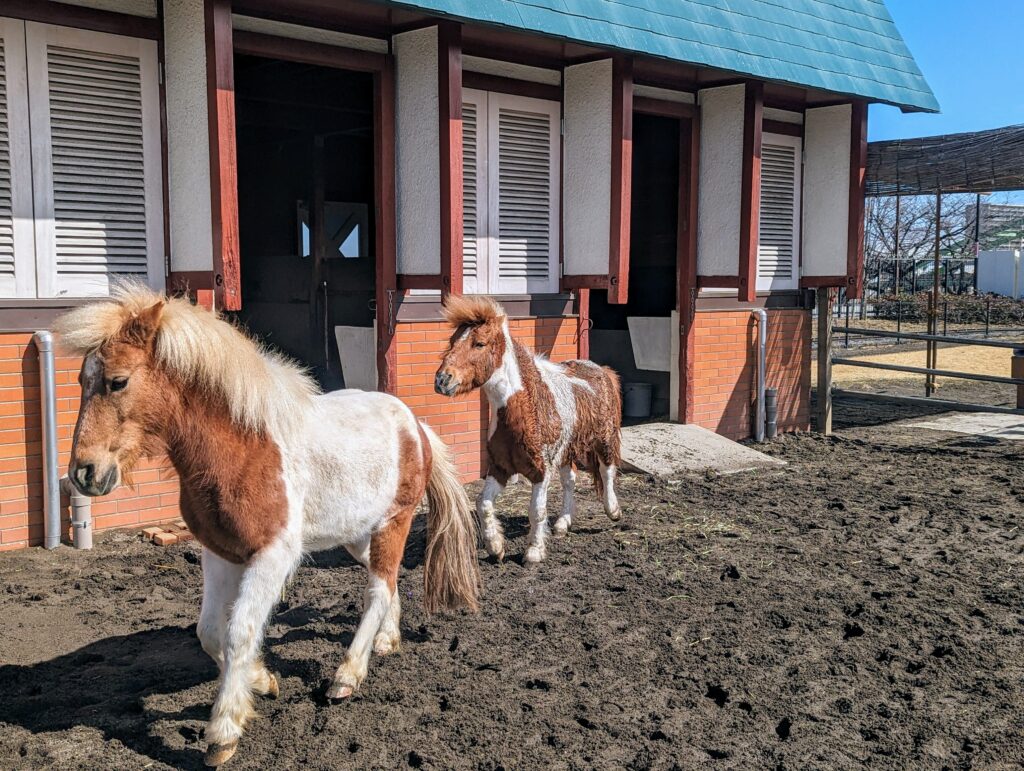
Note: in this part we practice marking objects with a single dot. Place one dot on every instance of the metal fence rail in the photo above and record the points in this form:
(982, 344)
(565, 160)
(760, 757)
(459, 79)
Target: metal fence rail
(929, 371)
(924, 336)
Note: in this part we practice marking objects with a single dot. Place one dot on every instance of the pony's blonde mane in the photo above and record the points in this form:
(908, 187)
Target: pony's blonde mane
(263, 390)
(471, 309)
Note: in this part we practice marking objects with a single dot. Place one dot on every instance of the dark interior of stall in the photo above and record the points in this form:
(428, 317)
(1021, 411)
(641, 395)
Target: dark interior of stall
(652, 261)
(306, 202)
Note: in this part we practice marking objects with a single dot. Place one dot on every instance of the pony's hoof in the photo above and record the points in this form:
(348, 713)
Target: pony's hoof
(340, 691)
(533, 555)
(383, 645)
(561, 527)
(615, 515)
(496, 549)
(219, 754)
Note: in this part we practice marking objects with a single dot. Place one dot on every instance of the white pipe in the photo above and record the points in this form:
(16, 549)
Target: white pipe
(81, 515)
(48, 406)
(762, 346)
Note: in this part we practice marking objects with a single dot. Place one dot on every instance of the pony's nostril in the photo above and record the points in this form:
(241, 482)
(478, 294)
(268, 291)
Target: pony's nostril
(85, 474)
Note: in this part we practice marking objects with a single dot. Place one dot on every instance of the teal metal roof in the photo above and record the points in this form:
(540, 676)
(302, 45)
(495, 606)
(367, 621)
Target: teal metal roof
(844, 46)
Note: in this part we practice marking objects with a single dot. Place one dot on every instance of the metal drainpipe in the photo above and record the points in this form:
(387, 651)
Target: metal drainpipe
(81, 515)
(48, 405)
(762, 345)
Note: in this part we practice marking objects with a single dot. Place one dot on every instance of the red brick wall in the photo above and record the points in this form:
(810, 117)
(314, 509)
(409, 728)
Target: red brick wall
(462, 421)
(725, 369)
(153, 498)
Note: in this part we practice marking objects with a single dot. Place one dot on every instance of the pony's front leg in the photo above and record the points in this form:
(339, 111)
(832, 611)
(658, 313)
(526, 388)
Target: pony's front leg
(537, 547)
(389, 638)
(386, 547)
(564, 522)
(259, 590)
(490, 527)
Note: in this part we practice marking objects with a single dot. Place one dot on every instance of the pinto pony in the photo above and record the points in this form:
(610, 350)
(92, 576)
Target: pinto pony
(545, 417)
(270, 469)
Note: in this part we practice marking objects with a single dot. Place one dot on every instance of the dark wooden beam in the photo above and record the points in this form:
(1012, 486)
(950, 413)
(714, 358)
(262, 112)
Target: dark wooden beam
(305, 52)
(585, 281)
(386, 289)
(80, 17)
(622, 179)
(781, 127)
(449, 90)
(220, 85)
(750, 202)
(718, 282)
(650, 106)
(686, 262)
(486, 82)
(583, 320)
(858, 165)
(418, 281)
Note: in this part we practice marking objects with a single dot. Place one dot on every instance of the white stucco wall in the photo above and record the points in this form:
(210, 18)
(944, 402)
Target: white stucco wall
(133, 7)
(587, 170)
(417, 159)
(310, 34)
(188, 141)
(512, 70)
(664, 94)
(721, 180)
(826, 198)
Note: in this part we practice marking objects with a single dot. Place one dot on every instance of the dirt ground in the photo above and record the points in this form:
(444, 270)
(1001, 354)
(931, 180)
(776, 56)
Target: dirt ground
(863, 606)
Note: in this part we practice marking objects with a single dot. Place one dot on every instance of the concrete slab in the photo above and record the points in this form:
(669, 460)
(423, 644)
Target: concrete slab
(992, 424)
(669, 450)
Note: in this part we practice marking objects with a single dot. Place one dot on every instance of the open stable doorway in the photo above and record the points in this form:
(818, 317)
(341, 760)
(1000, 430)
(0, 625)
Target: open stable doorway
(305, 146)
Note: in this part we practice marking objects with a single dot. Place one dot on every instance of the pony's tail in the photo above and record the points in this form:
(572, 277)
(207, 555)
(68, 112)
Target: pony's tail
(451, 578)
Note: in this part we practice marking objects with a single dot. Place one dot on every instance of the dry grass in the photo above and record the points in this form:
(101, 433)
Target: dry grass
(975, 359)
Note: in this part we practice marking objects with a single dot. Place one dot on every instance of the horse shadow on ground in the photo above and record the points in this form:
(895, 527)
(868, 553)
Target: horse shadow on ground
(114, 685)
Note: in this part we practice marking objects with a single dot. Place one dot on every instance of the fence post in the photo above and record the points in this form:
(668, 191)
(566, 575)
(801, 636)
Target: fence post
(824, 412)
(988, 313)
(899, 319)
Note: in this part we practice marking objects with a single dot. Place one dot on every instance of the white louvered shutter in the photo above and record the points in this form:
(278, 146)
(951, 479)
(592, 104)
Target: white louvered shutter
(17, 254)
(474, 191)
(778, 250)
(96, 151)
(523, 181)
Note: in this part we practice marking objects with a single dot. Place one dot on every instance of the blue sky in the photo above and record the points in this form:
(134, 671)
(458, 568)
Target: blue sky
(972, 54)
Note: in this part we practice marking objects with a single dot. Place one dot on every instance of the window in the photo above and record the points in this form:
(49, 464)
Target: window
(80, 184)
(778, 245)
(510, 205)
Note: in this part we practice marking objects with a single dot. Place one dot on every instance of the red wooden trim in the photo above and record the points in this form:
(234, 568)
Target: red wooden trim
(220, 87)
(858, 164)
(666, 109)
(306, 52)
(585, 281)
(486, 82)
(583, 321)
(418, 281)
(83, 18)
(750, 203)
(449, 90)
(622, 179)
(718, 282)
(781, 127)
(686, 263)
(814, 282)
(386, 289)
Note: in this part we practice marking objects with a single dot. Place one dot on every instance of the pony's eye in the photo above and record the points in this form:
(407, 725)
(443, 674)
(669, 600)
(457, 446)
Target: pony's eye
(478, 344)
(118, 383)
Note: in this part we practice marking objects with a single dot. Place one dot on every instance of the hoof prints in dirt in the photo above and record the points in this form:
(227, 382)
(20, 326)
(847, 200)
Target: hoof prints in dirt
(737, 621)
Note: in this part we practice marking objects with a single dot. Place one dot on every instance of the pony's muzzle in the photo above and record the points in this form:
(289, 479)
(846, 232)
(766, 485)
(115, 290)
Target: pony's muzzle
(445, 383)
(89, 481)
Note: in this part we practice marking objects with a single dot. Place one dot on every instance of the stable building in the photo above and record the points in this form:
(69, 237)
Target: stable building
(631, 181)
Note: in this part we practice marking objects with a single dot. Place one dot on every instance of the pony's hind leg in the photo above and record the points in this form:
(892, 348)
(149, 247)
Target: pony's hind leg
(386, 547)
(389, 637)
(490, 528)
(564, 521)
(537, 547)
(259, 591)
(611, 502)
(221, 580)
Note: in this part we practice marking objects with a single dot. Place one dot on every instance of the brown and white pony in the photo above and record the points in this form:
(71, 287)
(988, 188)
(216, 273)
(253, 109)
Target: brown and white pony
(545, 417)
(270, 469)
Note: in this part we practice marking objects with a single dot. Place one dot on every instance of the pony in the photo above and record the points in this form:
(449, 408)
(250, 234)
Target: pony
(270, 469)
(544, 417)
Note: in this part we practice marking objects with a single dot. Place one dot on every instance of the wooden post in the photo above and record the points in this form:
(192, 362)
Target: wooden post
(824, 416)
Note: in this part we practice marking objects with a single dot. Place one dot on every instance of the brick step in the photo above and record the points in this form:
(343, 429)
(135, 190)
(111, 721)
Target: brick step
(166, 535)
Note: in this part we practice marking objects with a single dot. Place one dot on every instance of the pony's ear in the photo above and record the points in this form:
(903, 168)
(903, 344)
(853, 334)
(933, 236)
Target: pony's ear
(142, 326)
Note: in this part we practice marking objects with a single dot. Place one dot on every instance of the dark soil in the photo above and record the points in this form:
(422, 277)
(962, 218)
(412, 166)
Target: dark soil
(862, 606)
